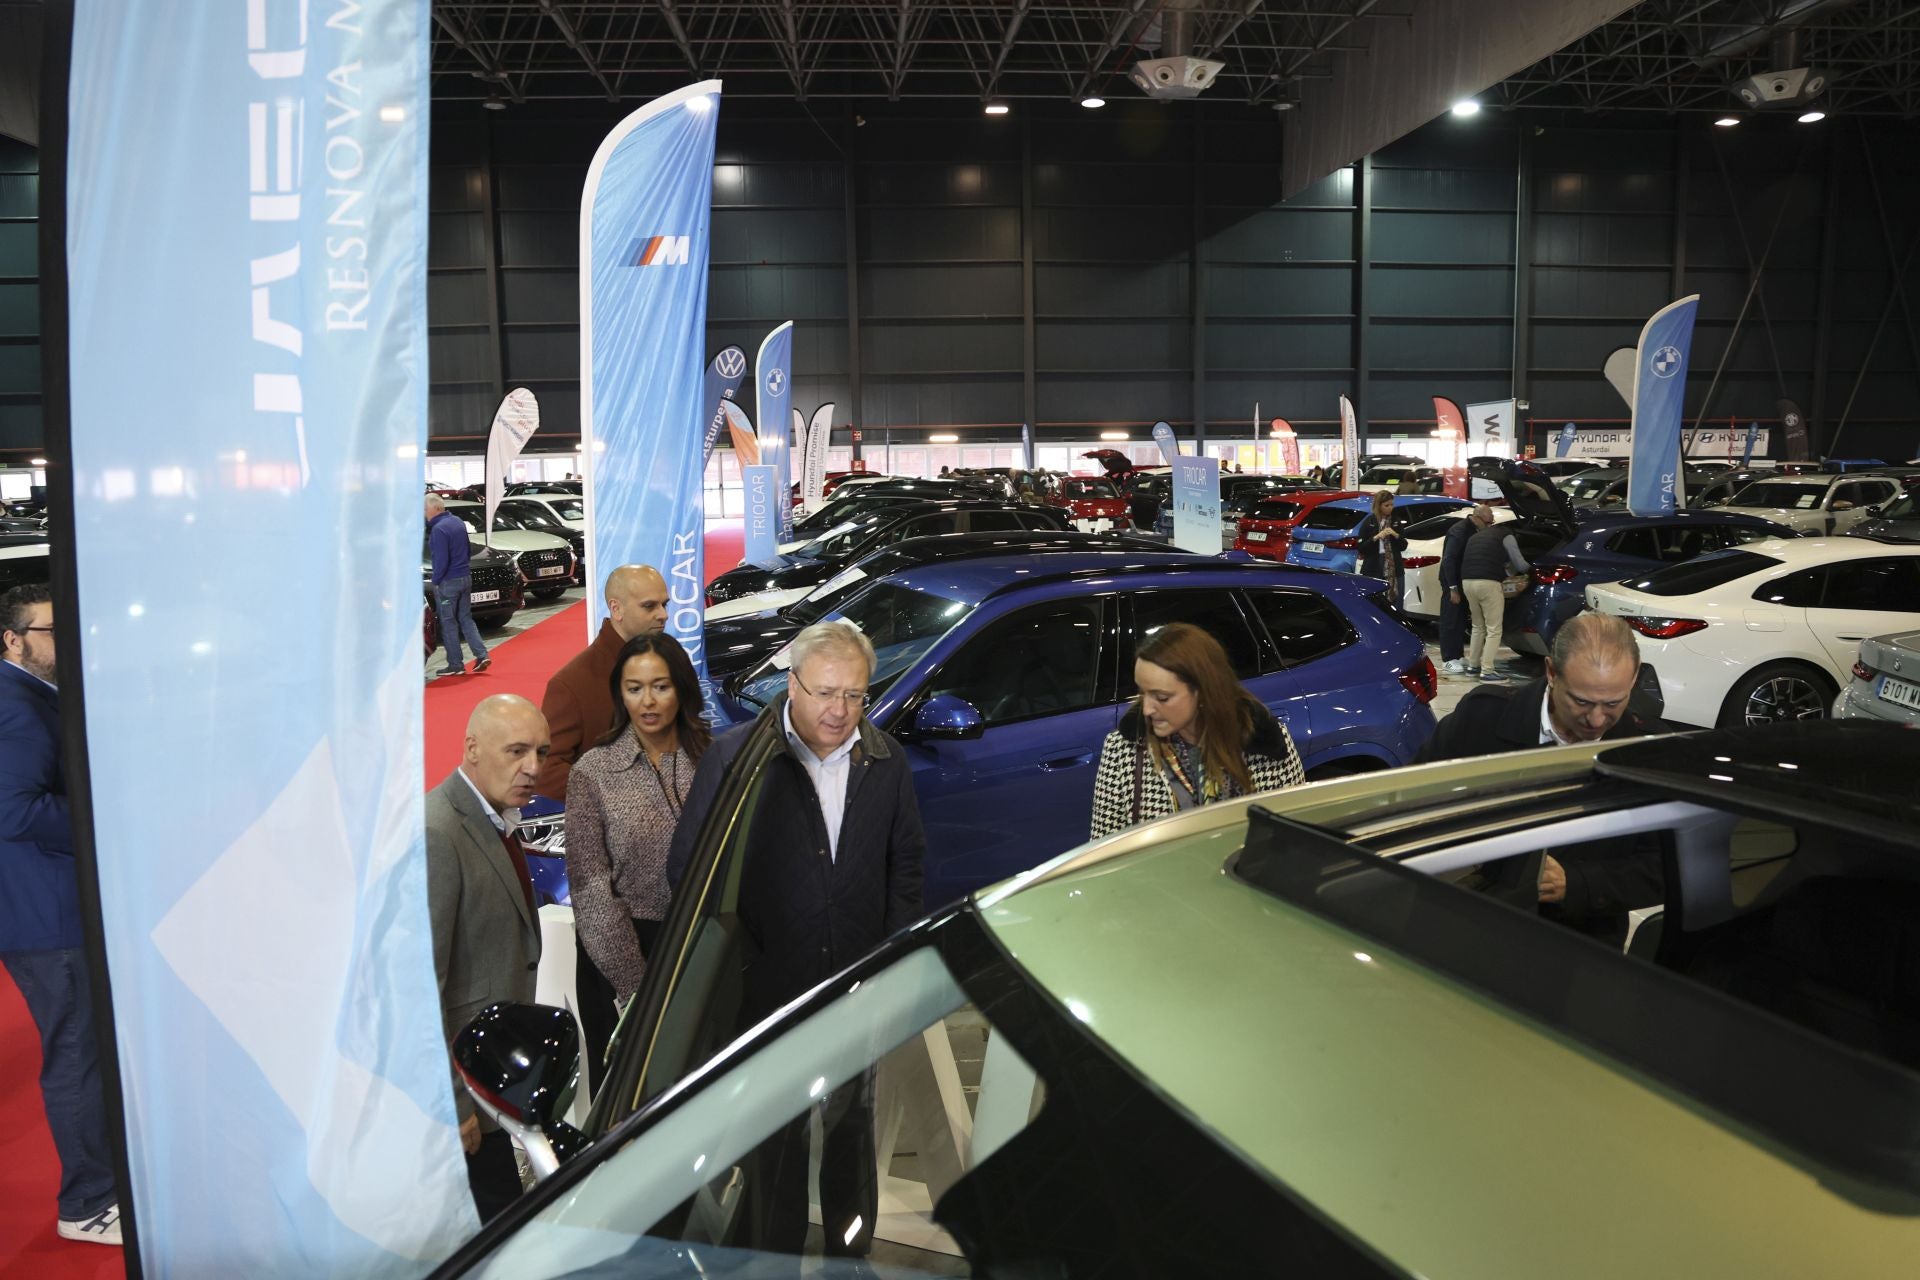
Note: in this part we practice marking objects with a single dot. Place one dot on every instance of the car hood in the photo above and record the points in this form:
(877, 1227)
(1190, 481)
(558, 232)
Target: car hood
(736, 644)
(514, 541)
(1529, 492)
(749, 578)
(1895, 529)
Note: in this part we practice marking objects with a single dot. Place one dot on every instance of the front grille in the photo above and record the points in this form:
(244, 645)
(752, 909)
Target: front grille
(497, 577)
(531, 562)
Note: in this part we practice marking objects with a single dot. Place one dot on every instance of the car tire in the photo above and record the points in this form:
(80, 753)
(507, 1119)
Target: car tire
(1779, 691)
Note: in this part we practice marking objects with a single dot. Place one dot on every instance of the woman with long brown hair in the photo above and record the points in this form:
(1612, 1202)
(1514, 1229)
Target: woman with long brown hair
(1192, 736)
(1380, 543)
(623, 800)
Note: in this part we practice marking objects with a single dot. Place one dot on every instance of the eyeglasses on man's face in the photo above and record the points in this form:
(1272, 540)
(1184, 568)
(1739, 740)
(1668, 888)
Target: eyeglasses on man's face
(852, 699)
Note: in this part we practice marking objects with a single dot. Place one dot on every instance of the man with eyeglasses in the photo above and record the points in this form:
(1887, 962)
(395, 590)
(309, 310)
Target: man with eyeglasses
(833, 867)
(40, 942)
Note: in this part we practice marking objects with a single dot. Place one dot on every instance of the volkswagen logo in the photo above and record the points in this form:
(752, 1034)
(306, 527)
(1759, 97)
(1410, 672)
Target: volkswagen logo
(776, 381)
(730, 363)
(1666, 362)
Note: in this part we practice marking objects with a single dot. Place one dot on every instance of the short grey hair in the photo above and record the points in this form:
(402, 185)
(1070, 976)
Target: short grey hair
(836, 638)
(436, 503)
(1600, 638)
(1482, 512)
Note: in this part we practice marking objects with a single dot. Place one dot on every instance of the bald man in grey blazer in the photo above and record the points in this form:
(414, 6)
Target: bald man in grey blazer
(486, 937)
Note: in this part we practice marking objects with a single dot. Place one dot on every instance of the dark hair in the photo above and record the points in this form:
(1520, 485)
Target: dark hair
(692, 730)
(1225, 710)
(17, 604)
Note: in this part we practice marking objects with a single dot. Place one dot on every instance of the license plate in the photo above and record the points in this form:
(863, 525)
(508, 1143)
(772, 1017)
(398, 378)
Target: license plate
(1312, 548)
(551, 571)
(1256, 537)
(1900, 691)
(485, 597)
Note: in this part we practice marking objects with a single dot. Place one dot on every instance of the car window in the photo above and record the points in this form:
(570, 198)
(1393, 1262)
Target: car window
(994, 521)
(901, 623)
(1703, 574)
(1039, 661)
(1783, 494)
(1797, 590)
(1330, 517)
(1303, 625)
(924, 527)
(1215, 611)
(1088, 490)
(1043, 521)
(1433, 526)
(1889, 585)
(1739, 535)
(1633, 542)
(1274, 509)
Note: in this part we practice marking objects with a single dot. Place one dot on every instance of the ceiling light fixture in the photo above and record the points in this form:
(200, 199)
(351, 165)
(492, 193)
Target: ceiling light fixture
(1113, 435)
(1091, 102)
(1813, 117)
(943, 437)
(494, 104)
(38, 462)
(1727, 122)
(1466, 107)
(995, 107)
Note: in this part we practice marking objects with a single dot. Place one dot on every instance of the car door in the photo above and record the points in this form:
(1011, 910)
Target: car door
(1021, 791)
(1865, 597)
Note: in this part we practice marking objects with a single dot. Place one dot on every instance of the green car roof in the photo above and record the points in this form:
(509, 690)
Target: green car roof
(1450, 1135)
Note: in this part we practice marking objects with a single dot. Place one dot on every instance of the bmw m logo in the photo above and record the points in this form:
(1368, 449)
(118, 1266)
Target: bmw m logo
(659, 251)
(1666, 362)
(776, 381)
(731, 363)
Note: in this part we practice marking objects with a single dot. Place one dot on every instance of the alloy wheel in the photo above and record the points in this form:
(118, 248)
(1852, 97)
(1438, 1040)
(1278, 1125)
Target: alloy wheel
(1784, 697)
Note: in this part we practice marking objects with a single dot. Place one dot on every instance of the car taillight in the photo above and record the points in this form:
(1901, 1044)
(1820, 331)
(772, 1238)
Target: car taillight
(1419, 562)
(1861, 671)
(1549, 575)
(1344, 544)
(1665, 628)
(1421, 680)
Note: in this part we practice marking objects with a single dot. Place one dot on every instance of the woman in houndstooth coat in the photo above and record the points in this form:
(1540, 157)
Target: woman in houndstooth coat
(1192, 736)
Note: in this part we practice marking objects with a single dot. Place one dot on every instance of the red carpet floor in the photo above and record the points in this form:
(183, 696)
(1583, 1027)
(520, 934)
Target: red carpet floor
(29, 1171)
(523, 663)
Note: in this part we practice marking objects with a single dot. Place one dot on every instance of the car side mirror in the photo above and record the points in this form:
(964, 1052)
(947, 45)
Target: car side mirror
(521, 1063)
(946, 716)
(1874, 510)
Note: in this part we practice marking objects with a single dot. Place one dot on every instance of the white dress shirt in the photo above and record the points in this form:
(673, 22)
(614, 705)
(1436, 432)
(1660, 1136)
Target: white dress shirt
(505, 823)
(829, 777)
(1550, 736)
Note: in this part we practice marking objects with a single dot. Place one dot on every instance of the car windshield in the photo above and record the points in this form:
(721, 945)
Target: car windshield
(1434, 526)
(1587, 484)
(902, 624)
(1787, 495)
(469, 516)
(1384, 476)
(1089, 489)
(1901, 508)
(531, 515)
(1702, 574)
(568, 508)
(1332, 517)
(840, 541)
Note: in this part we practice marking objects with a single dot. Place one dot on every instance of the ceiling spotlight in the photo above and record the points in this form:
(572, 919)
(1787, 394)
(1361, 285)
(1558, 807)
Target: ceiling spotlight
(1091, 102)
(1813, 117)
(494, 104)
(1727, 122)
(38, 462)
(1113, 435)
(1466, 107)
(995, 107)
(943, 437)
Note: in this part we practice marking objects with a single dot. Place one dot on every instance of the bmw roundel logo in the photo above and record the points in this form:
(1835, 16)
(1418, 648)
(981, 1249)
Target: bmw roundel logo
(776, 381)
(1666, 362)
(731, 363)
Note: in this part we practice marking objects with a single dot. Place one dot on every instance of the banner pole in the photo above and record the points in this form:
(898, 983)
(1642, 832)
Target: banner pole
(56, 64)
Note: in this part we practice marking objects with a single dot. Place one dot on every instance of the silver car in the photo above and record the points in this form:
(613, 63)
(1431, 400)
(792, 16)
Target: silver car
(1817, 504)
(1886, 681)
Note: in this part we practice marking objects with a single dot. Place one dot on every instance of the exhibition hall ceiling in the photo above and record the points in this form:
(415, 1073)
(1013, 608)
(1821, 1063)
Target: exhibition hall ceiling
(1657, 55)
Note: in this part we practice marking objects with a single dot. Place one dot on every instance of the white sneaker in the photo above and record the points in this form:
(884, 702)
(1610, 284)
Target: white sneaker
(1454, 666)
(102, 1228)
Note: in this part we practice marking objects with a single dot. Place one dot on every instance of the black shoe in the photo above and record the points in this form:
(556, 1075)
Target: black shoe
(482, 665)
(454, 671)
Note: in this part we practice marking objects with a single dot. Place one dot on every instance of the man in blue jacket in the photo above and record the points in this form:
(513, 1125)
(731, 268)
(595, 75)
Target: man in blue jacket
(40, 942)
(453, 588)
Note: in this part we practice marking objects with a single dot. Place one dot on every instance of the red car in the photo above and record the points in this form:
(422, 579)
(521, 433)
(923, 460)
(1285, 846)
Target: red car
(1094, 503)
(1267, 530)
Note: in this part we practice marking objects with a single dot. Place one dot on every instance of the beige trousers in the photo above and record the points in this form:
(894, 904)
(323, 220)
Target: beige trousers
(1489, 608)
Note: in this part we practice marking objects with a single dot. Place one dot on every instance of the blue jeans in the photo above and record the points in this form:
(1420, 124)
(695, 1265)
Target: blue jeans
(454, 598)
(54, 984)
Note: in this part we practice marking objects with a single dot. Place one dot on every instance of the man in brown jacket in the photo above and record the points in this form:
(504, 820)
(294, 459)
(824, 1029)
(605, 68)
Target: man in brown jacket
(577, 705)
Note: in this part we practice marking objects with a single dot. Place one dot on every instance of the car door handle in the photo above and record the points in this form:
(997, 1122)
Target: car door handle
(1067, 762)
(1851, 637)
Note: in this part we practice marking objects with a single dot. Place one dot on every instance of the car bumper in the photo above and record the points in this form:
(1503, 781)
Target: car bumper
(1860, 700)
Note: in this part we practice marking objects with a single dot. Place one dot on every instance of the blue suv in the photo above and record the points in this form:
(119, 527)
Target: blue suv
(1003, 676)
(1613, 547)
(1324, 539)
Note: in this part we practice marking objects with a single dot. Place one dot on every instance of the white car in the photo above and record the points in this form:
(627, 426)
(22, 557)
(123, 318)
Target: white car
(1421, 560)
(1768, 631)
(546, 561)
(1818, 503)
(564, 509)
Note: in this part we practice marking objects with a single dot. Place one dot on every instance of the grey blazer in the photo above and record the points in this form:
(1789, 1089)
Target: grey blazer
(486, 941)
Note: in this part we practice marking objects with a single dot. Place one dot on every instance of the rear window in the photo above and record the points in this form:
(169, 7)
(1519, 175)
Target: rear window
(1333, 518)
(1434, 526)
(1090, 489)
(1274, 509)
(1787, 495)
(1703, 574)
